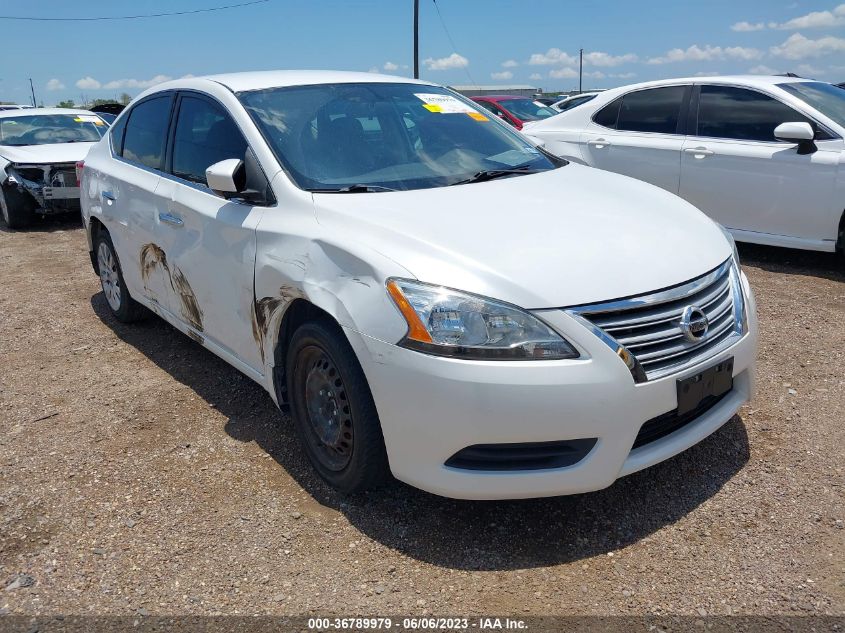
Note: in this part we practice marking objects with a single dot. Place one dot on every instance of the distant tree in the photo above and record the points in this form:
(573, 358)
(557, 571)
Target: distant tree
(125, 98)
(67, 103)
(97, 102)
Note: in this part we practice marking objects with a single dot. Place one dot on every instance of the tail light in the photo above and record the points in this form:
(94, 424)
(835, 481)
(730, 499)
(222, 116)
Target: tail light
(79, 165)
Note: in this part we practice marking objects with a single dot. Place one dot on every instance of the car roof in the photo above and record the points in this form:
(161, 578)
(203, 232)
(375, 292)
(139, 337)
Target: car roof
(752, 81)
(43, 111)
(501, 97)
(261, 80)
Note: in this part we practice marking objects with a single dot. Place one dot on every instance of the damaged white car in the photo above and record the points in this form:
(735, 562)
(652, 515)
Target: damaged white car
(395, 265)
(39, 150)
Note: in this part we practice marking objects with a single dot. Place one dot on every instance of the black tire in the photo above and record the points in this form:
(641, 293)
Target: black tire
(340, 430)
(16, 208)
(121, 304)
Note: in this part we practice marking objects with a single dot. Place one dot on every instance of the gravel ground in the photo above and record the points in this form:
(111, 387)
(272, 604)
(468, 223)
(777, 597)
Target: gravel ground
(140, 474)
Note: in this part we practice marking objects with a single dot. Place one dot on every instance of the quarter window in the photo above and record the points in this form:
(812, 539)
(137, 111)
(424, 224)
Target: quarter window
(145, 132)
(205, 135)
(655, 110)
(737, 113)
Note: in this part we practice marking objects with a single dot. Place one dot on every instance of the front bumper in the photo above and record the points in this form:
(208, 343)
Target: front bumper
(432, 407)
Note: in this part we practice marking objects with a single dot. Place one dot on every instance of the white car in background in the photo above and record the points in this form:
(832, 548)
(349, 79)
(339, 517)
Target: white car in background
(574, 100)
(761, 155)
(39, 149)
(382, 256)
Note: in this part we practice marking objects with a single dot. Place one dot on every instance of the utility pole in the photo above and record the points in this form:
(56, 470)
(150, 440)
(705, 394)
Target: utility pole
(32, 90)
(416, 39)
(581, 71)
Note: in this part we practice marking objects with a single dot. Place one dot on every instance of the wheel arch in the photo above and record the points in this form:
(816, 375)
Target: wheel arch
(298, 312)
(95, 227)
(840, 236)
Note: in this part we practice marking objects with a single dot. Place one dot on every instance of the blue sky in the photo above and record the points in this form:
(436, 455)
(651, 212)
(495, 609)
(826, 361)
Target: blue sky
(495, 41)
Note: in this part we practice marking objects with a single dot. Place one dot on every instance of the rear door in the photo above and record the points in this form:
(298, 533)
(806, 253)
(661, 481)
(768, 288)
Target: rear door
(129, 195)
(641, 135)
(738, 173)
(209, 241)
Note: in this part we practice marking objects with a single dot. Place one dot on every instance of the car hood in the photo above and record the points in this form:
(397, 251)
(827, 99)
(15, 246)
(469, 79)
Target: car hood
(565, 237)
(52, 153)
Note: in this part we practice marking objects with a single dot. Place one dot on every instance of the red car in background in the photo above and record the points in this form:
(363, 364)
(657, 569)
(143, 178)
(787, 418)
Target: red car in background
(515, 110)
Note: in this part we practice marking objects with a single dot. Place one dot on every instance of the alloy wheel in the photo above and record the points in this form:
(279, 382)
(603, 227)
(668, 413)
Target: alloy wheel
(109, 276)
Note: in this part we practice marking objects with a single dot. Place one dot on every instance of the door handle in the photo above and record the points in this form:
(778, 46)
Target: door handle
(598, 143)
(699, 152)
(108, 195)
(170, 219)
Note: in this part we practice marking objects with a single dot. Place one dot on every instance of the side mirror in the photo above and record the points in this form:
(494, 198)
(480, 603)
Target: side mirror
(226, 178)
(797, 132)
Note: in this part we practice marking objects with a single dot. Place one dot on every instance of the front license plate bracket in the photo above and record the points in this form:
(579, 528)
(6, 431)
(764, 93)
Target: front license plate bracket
(713, 381)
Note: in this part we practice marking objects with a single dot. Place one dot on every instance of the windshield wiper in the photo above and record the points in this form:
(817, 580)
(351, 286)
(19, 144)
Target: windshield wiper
(491, 174)
(354, 189)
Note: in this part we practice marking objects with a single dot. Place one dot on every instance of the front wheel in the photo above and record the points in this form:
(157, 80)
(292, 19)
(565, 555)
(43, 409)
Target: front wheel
(122, 305)
(16, 208)
(333, 409)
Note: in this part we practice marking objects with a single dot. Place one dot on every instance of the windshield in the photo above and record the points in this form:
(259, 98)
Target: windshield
(44, 129)
(826, 98)
(526, 109)
(384, 135)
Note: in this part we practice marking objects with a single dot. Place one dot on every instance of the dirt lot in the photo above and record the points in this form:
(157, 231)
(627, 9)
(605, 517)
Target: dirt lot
(140, 474)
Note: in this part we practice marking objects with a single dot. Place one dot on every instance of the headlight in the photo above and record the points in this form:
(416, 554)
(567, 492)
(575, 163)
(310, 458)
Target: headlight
(451, 323)
(731, 239)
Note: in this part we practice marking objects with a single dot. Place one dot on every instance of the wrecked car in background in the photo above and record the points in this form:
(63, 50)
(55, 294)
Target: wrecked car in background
(39, 150)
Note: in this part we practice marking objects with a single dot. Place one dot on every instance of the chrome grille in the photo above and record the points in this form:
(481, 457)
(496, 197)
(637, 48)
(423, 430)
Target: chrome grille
(647, 332)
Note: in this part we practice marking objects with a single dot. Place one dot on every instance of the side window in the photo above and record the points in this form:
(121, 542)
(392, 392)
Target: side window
(654, 110)
(205, 135)
(608, 115)
(492, 107)
(146, 130)
(737, 113)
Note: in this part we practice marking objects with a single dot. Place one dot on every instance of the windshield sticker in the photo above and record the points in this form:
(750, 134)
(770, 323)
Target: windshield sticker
(447, 104)
(88, 118)
(477, 116)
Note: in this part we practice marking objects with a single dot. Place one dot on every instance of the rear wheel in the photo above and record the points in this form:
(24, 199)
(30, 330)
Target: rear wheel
(16, 208)
(333, 409)
(122, 305)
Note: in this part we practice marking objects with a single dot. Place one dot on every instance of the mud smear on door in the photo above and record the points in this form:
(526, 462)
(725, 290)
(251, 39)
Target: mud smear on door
(153, 259)
(263, 310)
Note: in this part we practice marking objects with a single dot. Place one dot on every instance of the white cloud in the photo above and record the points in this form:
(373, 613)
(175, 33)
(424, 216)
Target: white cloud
(596, 74)
(390, 66)
(557, 57)
(697, 53)
(707, 73)
(747, 27)
(598, 58)
(374, 69)
(799, 47)
(806, 70)
(128, 84)
(88, 83)
(535, 77)
(446, 63)
(552, 57)
(55, 84)
(762, 69)
(511, 63)
(623, 75)
(815, 20)
(563, 73)
(505, 74)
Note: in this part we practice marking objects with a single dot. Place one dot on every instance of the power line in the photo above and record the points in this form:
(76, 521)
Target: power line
(451, 41)
(131, 17)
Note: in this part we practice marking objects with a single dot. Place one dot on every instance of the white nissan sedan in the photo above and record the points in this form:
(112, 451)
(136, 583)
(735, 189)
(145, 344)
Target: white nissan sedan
(762, 156)
(385, 259)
